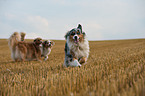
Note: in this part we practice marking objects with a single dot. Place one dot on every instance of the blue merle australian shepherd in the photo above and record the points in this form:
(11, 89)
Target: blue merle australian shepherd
(76, 47)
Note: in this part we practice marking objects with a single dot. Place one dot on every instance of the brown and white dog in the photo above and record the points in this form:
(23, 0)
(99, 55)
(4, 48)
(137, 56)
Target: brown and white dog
(46, 48)
(76, 47)
(21, 50)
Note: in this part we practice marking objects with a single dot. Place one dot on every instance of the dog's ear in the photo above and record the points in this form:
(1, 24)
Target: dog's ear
(84, 34)
(39, 38)
(34, 40)
(80, 27)
(67, 34)
(53, 43)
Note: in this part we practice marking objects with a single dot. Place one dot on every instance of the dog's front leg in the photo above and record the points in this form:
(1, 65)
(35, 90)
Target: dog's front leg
(68, 56)
(73, 61)
(82, 60)
(68, 59)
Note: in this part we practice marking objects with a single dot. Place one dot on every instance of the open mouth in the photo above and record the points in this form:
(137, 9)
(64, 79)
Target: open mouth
(49, 45)
(76, 41)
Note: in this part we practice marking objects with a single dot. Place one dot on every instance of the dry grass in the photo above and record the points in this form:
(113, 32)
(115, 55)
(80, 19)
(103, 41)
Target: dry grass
(114, 68)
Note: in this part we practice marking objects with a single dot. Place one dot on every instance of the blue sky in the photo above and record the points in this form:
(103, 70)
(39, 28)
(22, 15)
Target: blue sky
(51, 19)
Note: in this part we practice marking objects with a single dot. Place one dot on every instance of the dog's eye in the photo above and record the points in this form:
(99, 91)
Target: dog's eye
(73, 33)
(78, 32)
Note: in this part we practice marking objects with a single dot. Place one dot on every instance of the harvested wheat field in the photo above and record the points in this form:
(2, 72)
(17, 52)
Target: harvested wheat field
(114, 68)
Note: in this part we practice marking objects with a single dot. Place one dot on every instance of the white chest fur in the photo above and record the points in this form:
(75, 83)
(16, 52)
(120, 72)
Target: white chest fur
(80, 50)
(45, 51)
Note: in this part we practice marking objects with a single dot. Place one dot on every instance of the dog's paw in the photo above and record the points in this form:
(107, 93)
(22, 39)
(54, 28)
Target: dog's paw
(75, 63)
(46, 57)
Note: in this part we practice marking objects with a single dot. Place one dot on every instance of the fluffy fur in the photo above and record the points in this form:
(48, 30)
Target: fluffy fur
(46, 48)
(22, 36)
(76, 47)
(21, 50)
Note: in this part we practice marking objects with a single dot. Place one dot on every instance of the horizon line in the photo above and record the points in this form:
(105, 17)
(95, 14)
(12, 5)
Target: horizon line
(88, 39)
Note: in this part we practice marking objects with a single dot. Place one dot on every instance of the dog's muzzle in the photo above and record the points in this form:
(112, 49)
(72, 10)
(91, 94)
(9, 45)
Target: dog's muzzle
(76, 38)
(49, 44)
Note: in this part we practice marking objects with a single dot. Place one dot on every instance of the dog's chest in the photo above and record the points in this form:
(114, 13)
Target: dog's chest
(46, 51)
(80, 51)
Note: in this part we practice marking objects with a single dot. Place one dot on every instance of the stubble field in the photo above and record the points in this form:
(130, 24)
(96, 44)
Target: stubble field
(114, 68)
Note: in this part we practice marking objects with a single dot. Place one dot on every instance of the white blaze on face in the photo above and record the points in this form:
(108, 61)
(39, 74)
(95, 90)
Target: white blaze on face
(50, 43)
(76, 38)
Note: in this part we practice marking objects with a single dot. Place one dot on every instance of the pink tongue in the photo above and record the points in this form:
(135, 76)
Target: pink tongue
(76, 41)
(40, 45)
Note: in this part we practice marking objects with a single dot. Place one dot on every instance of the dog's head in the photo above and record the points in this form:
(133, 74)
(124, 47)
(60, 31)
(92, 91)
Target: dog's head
(48, 44)
(76, 35)
(38, 41)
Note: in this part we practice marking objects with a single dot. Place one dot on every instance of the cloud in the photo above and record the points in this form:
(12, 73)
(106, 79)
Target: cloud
(38, 20)
(38, 23)
(31, 24)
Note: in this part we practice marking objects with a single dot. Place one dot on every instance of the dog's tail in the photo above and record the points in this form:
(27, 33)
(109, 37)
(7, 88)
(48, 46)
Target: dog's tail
(13, 40)
(23, 36)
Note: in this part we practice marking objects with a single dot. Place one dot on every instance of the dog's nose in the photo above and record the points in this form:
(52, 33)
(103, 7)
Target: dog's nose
(76, 37)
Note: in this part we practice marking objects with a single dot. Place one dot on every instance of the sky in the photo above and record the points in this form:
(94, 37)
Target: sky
(51, 19)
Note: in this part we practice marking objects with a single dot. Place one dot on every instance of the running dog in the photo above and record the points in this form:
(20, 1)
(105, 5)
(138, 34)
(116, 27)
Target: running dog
(76, 47)
(21, 50)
